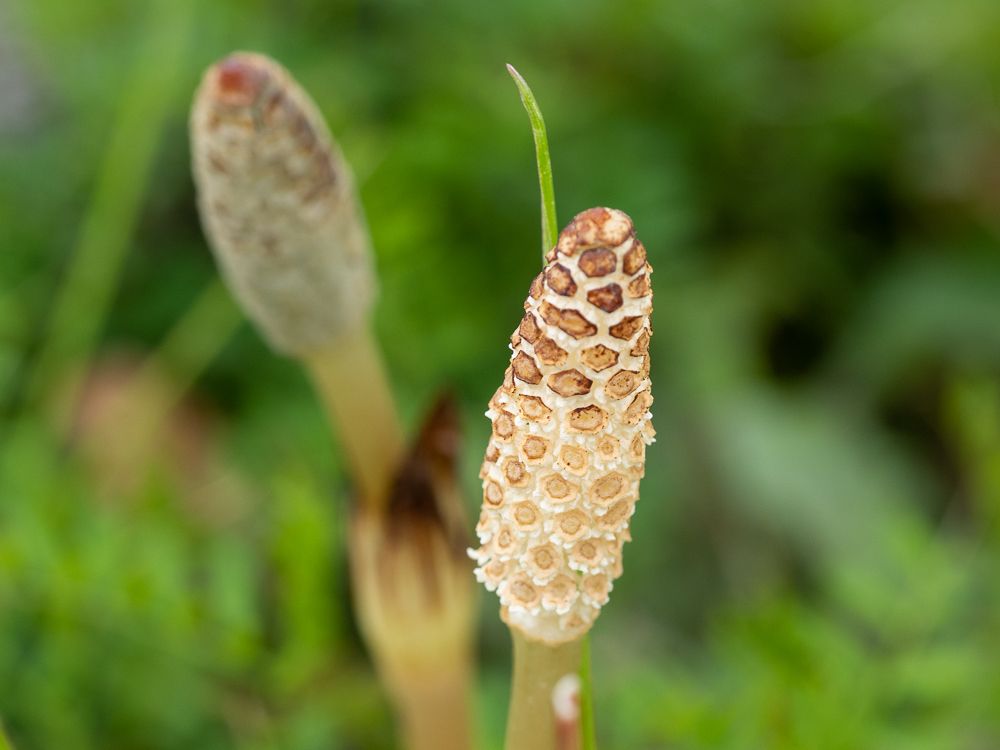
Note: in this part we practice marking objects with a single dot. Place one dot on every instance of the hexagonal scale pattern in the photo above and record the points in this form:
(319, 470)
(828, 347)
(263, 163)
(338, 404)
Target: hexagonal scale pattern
(571, 423)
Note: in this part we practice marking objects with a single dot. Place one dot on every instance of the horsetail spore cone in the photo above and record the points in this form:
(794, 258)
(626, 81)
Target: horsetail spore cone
(571, 424)
(278, 202)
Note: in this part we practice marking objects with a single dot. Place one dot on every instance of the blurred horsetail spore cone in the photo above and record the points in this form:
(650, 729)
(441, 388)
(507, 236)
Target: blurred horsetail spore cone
(570, 427)
(278, 203)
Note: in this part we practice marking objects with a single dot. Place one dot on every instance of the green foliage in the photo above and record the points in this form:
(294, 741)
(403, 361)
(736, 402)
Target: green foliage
(815, 553)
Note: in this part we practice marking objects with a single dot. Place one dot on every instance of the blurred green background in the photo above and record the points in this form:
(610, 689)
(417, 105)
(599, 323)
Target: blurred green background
(817, 549)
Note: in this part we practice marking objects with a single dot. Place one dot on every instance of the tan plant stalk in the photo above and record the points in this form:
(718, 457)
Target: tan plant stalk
(413, 591)
(279, 206)
(561, 475)
(350, 378)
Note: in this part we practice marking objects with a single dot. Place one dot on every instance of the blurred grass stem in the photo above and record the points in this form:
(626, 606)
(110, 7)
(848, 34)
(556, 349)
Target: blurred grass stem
(196, 338)
(185, 352)
(82, 303)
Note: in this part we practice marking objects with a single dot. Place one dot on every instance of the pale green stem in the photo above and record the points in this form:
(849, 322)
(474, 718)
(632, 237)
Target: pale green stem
(588, 733)
(82, 303)
(537, 669)
(550, 225)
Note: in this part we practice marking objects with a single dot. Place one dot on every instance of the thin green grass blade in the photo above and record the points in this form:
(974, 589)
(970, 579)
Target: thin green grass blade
(188, 348)
(588, 734)
(197, 337)
(82, 303)
(550, 226)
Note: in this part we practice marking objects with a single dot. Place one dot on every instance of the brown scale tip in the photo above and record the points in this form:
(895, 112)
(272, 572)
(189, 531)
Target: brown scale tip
(595, 227)
(239, 79)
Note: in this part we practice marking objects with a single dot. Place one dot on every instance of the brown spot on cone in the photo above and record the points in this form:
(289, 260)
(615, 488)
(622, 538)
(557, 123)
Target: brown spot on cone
(536, 287)
(534, 409)
(599, 357)
(503, 426)
(570, 383)
(534, 448)
(626, 327)
(514, 472)
(525, 369)
(607, 298)
(549, 352)
(529, 328)
(588, 419)
(639, 286)
(568, 321)
(527, 517)
(574, 458)
(493, 494)
(635, 259)
(622, 383)
(641, 345)
(598, 262)
(560, 280)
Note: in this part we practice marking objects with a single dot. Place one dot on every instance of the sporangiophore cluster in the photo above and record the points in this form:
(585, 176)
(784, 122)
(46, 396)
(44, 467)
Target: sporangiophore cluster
(571, 423)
